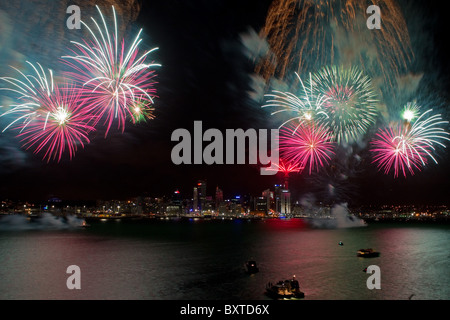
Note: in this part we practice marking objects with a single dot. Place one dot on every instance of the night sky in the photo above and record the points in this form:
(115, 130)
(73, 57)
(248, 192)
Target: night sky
(205, 75)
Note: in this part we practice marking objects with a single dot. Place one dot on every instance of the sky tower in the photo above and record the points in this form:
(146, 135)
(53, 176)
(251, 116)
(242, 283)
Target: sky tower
(282, 193)
(287, 169)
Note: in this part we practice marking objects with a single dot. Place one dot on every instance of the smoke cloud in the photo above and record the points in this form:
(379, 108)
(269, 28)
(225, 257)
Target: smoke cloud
(45, 222)
(339, 218)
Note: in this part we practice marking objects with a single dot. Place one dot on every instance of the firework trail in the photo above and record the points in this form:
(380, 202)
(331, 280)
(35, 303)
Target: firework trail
(408, 147)
(306, 107)
(49, 119)
(350, 101)
(114, 79)
(304, 35)
(307, 146)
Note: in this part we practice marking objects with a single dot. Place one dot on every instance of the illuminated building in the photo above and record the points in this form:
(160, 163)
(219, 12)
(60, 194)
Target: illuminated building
(219, 197)
(285, 208)
(201, 192)
(269, 196)
(195, 200)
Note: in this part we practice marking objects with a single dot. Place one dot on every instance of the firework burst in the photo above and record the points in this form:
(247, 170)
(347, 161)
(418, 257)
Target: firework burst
(48, 118)
(303, 108)
(405, 148)
(410, 111)
(304, 35)
(31, 92)
(142, 111)
(307, 146)
(114, 79)
(350, 101)
(287, 167)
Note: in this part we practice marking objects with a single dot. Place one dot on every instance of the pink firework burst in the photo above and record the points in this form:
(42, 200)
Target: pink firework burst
(49, 119)
(60, 124)
(393, 148)
(307, 146)
(112, 76)
(407, 147)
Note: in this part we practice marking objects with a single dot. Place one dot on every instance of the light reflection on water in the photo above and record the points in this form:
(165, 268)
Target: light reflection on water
(205, 260)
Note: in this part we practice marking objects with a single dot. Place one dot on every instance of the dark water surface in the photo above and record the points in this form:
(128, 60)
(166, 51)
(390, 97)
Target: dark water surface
(204, 260)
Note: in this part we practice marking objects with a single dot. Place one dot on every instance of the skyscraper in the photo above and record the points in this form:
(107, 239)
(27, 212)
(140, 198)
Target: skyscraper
(195, 200)
(282, 200)
(201, 194)
(219, 197)
(285, 202)
(268, 195)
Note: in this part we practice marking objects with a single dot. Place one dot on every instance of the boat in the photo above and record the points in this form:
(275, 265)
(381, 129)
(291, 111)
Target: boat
(252, 267)
(341, 243)
(285, 290)
(84, 224)
(367, 253)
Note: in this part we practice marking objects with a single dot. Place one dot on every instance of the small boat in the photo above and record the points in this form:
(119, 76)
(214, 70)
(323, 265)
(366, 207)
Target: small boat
(367, 253)
(341, 243)
(252, 267)
(285, 290)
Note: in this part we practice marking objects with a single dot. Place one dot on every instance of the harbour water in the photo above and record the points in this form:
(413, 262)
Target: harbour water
(204, 260)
